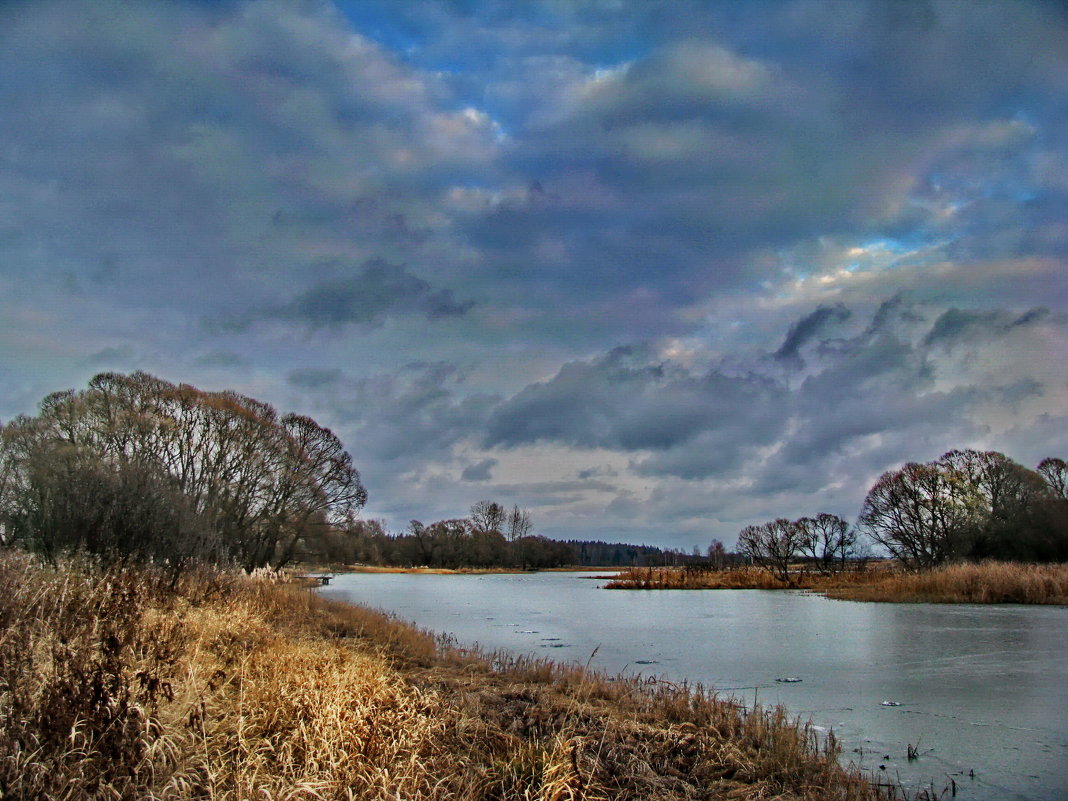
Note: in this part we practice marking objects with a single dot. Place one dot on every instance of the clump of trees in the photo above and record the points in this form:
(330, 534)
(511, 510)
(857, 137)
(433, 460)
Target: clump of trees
(965, 505)
(493, 536)
(826, 542)
(137, 467)
(969, 505)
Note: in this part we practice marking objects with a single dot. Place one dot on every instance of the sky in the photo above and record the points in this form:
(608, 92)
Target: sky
(653, 271)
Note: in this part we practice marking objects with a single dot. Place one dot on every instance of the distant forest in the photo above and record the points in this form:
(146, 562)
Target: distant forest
(463, 543)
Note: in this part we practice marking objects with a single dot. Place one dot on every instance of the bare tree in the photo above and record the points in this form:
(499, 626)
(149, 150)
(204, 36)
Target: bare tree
(828, 539)
(519, 524)
(489, 516)
(1055, 473)
(773, 545)
(923, 513)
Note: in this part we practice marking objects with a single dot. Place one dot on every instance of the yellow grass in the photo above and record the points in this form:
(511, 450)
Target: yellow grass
(115, 686)
(984, 583)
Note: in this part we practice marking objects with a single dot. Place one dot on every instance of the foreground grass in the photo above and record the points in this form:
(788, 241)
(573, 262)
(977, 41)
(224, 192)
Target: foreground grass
(985, 583)
(116, 685)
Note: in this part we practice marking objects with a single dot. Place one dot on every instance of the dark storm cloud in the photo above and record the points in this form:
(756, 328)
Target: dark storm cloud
(962, 325)
(480, 471)
(807, 328)
(621, 401)
(417, 413)
(314, 377)
(380, 289)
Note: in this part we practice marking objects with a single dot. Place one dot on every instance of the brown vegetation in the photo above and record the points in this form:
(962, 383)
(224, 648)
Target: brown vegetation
(740, 578)
(983, 583)
(116, 685)
(986, 582)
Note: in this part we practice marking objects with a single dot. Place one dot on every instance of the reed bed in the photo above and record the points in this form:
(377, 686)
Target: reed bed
(741, 578)
(122, 683)
(982, 583)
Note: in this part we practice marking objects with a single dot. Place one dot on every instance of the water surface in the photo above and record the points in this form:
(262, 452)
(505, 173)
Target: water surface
(977, 689)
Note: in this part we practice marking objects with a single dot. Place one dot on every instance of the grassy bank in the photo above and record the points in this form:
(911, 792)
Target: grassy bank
(116, 685)
(986, 582)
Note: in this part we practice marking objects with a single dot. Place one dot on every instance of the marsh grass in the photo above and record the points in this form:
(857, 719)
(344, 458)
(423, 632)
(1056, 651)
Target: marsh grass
(983, 583)
(121, 684)
(741, 578)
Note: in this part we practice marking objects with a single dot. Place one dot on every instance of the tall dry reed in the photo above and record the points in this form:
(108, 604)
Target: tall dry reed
(740, 578)
(983, 583)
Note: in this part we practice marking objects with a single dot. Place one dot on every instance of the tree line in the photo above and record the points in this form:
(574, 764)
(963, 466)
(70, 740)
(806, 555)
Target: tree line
(452, 543)
(965, 505)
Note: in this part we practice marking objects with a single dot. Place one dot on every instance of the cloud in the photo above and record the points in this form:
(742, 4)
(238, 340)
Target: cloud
(415, 414)
(314, 377)
(956, 325)
(432, 225)
(379, 290)
(808, 327)
(479, 471)
(867, 399)
(220, 358)
(621, 401)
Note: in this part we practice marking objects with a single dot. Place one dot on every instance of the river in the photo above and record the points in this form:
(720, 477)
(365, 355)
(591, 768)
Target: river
(980, 691)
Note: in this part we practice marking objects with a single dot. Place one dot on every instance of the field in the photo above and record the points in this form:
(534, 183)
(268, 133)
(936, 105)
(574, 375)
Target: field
(985, 582)
(128, 683)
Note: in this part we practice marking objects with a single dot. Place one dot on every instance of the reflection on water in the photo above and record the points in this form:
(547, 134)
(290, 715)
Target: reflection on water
(975, 689)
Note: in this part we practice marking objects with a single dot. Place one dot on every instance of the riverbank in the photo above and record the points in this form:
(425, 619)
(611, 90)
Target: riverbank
(985, 582)
(116, 684)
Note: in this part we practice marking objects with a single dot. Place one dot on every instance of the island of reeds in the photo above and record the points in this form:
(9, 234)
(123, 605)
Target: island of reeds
(975, 583)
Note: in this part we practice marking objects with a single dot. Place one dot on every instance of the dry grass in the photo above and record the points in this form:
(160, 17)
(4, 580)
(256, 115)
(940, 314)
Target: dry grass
(742, 578)
(114, 685)
(984, 583)
(436, 571)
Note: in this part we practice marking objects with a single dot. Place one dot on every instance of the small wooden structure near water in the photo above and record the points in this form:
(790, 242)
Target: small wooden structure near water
(314, 579)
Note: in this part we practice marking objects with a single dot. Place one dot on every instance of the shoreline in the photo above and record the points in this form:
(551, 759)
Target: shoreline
(447, 571)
